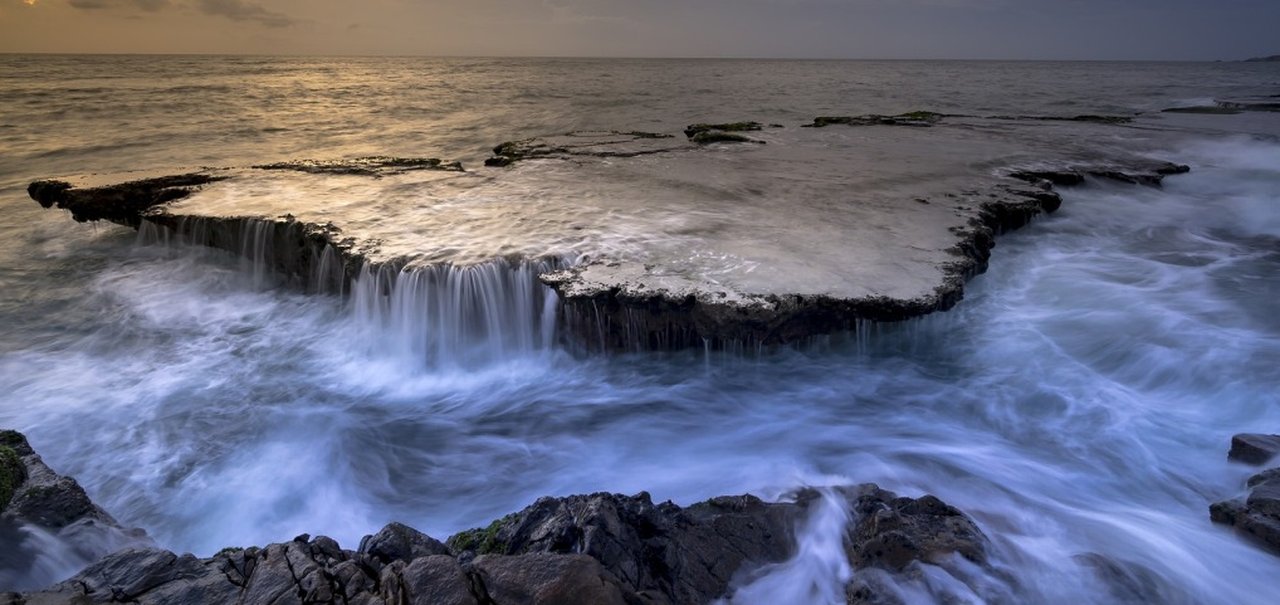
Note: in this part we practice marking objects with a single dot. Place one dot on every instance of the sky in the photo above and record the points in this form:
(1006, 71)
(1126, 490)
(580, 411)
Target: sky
(866, 29)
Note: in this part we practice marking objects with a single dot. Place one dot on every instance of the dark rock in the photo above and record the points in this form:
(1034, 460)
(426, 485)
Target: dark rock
(681, 555)
(431, 579)
(1253, 448)
(693, 129)
(1257, 515)
(1150, 174)
(549, 579)
(891, 532)
(608, 143)
(914, 118)
(1063, 178)
(123, 203)
(398, 542)
(38, 495)
(12, 474)
(714, 136)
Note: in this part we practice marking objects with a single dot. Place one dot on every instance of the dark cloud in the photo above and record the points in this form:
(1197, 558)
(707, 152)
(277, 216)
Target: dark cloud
(146, 5)
(239, 10)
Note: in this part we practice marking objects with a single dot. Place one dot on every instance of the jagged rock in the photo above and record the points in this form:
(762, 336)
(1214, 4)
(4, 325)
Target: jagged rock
(1257, 515)
(399, 542)
(662, 551)
(599, 548)
(1150, 174)
(1254, 448)
(891, 532)
(41, 496)
(123, 203)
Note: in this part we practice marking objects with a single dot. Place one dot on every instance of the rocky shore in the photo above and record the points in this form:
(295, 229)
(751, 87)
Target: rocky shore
(597, 548)
(1257, 514)
(903, 247)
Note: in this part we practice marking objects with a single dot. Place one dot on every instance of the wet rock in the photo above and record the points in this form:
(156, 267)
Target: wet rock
(586, 143)
(1254, 448)
(599, 548)
(123, 203)
(373, 166)
(1151, 174)
(1257, 515)
(714, 136)
(38, 495)
(891, 532)
(693, 129)
(913, 118)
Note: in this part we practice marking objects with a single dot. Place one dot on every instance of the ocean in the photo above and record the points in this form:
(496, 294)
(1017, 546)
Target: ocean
(1080, 400)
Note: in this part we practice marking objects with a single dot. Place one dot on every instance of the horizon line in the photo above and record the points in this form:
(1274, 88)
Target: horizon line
(606, 57)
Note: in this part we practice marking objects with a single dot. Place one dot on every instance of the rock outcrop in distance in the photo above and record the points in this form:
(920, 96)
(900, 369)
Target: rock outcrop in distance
(905, 257)
(1257, 514)
(590, 549)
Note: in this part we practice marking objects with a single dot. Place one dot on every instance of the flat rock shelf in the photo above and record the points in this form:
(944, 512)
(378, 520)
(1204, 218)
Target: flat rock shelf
(645, 240)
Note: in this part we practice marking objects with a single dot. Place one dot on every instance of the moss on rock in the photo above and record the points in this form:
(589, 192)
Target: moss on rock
(12, 474)
(482, 541)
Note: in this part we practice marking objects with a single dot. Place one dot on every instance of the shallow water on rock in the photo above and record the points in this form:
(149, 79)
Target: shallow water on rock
(1080, 400)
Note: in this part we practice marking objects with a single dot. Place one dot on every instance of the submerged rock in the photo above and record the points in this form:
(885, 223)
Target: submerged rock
(1257, 514)
(374, 166)
(913, 118)
(714, 136)
(585, 143)
(693, 129)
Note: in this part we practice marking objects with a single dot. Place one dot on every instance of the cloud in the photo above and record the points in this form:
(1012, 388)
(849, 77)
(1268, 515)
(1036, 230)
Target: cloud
(235, 10)
(146, 5)
(239, 10)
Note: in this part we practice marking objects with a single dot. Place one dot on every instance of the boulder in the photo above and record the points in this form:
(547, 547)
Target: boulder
(891, 532)
(1254, 448)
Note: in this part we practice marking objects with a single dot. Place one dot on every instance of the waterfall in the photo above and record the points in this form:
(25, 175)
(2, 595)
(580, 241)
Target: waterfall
(454, 315)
